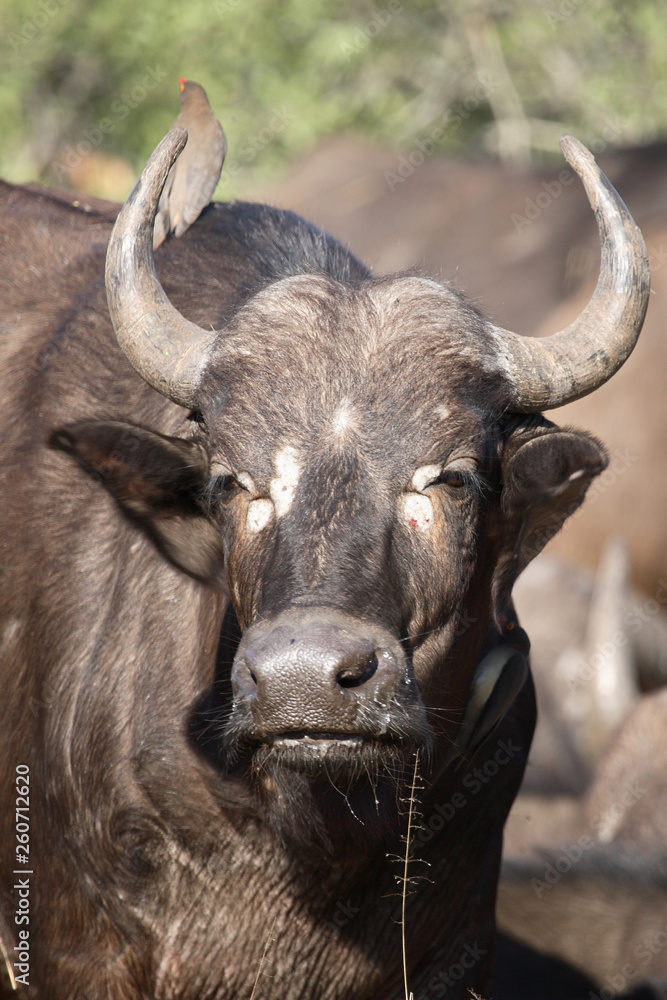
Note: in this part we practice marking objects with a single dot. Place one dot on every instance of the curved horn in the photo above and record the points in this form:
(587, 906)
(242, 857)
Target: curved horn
(167, 350)
(550, 371)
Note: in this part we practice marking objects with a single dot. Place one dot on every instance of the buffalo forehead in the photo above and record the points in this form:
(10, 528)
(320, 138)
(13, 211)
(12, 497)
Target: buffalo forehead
(316, 331)
(399, 365)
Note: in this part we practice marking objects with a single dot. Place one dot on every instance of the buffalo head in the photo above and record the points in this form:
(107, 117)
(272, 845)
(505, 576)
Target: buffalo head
(366, 471)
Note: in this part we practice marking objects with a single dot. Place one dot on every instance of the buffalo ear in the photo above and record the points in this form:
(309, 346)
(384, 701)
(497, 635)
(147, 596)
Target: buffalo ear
(157, 482)
(545, 473)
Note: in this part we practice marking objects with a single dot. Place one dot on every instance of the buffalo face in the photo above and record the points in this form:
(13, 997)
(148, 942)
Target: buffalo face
(359, 493)
(366, 473)
(353, 483)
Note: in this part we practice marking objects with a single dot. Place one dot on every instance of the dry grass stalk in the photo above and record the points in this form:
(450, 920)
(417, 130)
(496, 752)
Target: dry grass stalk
(261, 961)
(404, 895)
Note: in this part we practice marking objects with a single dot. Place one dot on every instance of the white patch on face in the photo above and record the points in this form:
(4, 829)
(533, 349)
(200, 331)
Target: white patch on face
(283, 487)
(259, 514)
(425, 475)
(343, 418)
(442, 412)
(246, 481)
(418, 511)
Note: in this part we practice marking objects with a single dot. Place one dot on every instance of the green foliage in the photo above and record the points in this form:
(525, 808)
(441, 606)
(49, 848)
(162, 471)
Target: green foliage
(100, 77)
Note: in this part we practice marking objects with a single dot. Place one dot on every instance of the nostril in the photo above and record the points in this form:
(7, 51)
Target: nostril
(357, 672)
(244, 680)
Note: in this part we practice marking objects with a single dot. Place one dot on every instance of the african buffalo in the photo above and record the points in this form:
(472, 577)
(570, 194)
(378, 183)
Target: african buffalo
(590, 653)
(261, 518)
(583, 876)
(594, 893)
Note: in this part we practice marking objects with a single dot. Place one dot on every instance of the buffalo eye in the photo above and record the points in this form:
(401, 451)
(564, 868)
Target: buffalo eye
(219, 489)
(461, 477)
(226, 484)
(454, 478)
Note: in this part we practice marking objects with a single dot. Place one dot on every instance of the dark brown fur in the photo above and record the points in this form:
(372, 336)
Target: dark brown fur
(162, 866)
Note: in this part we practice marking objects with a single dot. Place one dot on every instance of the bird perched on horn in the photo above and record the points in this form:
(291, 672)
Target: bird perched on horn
(194, 177)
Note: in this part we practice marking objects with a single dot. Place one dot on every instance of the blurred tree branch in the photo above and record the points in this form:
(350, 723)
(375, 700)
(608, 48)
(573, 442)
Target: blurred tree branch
(392, 70)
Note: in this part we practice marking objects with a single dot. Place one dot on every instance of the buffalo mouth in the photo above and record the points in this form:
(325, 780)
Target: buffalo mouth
(316, 753)
(317, 742)
(326, 790)
(353, 757)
